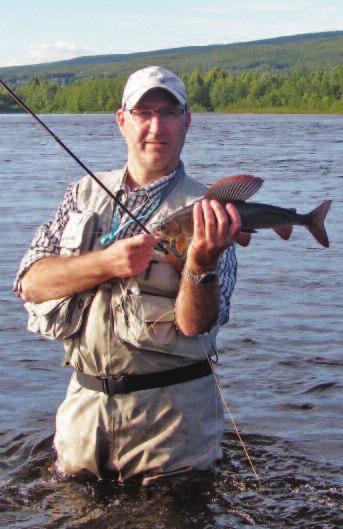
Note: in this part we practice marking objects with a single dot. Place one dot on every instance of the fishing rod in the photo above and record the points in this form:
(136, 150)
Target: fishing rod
(21, 103)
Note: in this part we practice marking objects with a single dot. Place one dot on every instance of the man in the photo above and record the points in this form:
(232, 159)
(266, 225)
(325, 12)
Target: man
(142, 399)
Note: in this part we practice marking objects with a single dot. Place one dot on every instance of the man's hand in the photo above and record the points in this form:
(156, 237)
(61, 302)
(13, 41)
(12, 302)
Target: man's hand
(58, 276)
(197, 305)
(213, 232)
(129, 257)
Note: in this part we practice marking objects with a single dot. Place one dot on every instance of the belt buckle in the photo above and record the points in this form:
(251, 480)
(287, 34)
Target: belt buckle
(113, 384)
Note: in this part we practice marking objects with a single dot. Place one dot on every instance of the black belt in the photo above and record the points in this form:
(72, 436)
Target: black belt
(128, 383)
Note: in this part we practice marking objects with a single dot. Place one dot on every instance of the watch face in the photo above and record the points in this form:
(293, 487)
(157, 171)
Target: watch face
(208, 278)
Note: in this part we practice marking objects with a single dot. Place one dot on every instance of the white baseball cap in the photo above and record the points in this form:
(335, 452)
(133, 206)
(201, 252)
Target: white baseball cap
(142, 81)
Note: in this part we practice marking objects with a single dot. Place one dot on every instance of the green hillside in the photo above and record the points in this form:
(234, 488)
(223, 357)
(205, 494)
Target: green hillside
(308, 51)
(301, 73)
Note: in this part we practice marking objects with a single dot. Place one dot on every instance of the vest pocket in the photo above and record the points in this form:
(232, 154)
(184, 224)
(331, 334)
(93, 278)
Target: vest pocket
(58, 318)
(62, 318)
(79, 233)
(145, 320)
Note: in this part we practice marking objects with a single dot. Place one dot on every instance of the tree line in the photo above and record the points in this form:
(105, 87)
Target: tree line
(213, 91)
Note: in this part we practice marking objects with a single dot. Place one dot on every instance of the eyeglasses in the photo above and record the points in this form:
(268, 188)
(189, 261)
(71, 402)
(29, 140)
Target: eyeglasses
(168, 115)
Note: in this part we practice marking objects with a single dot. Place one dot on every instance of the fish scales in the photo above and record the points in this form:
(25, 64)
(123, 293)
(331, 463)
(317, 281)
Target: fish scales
(253, 215)
(256, 215)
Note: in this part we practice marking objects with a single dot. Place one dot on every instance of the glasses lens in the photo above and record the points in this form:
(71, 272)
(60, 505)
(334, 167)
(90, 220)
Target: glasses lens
(142, 115)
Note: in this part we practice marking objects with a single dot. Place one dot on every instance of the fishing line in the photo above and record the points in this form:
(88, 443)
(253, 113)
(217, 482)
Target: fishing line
(160, 245)
(226, 406)
(61, 152)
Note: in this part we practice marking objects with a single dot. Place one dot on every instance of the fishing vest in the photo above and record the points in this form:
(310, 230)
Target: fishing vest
(123, 325)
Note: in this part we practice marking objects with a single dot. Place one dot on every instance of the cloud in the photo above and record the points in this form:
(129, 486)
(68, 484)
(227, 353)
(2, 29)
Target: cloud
(58, 51)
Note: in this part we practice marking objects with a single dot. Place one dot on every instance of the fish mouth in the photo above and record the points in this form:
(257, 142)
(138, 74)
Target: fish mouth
(159, 233)
(158, 230)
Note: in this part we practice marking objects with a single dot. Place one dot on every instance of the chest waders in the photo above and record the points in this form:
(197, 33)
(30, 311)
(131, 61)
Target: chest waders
(146, 413)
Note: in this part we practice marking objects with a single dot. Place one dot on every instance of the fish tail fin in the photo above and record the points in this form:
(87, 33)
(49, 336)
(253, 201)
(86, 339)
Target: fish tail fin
(316, 223)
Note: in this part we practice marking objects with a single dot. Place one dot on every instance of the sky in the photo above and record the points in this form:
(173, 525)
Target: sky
(35, 31)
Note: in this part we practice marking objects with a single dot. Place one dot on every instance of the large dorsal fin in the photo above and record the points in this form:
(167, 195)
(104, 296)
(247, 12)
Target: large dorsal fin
(238, 187)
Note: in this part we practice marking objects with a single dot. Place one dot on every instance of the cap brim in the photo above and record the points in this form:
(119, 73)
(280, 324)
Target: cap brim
(132, 100)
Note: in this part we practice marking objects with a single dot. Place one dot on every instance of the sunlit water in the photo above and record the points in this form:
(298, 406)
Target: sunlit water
(281, 359)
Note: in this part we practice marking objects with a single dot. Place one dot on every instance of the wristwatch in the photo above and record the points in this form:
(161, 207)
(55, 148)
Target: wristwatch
(200, 279)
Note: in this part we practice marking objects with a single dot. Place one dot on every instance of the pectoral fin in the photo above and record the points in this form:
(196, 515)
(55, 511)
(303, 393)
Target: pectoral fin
(181, 244)
(243, 238)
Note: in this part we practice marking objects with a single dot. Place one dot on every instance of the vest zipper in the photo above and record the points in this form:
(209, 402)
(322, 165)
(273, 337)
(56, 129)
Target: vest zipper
(85, 303)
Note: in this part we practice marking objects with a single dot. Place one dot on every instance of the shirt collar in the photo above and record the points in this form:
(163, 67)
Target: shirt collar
(153, 189)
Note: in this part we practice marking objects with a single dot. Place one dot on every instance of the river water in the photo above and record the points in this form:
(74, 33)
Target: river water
(281, 360)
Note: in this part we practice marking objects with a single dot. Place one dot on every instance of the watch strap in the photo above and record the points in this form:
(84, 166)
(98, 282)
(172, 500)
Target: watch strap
(200, 279)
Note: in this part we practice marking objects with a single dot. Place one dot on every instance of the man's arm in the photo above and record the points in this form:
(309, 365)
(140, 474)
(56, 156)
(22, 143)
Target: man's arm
(58, 276)
(197, 305)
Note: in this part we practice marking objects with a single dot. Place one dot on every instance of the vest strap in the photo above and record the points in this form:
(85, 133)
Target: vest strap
(128, 383)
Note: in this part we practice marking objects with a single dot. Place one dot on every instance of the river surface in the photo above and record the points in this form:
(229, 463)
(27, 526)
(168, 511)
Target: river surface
(281, 361)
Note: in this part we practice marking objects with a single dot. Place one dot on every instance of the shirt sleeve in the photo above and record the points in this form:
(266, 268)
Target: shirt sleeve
(46, 241)
(227, 274)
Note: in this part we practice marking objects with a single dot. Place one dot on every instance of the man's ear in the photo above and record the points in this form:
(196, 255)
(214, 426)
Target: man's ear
(120, 117)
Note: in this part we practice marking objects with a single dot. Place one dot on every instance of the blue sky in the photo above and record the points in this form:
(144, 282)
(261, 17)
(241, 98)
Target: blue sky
(34, 31)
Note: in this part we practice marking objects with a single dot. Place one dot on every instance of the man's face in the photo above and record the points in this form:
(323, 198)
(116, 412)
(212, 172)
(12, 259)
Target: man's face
(155, 144)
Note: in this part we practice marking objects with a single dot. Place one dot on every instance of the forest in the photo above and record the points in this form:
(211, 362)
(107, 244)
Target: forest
(215, 90)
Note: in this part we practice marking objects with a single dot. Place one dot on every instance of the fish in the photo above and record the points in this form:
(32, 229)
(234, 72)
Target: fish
(178, 228)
